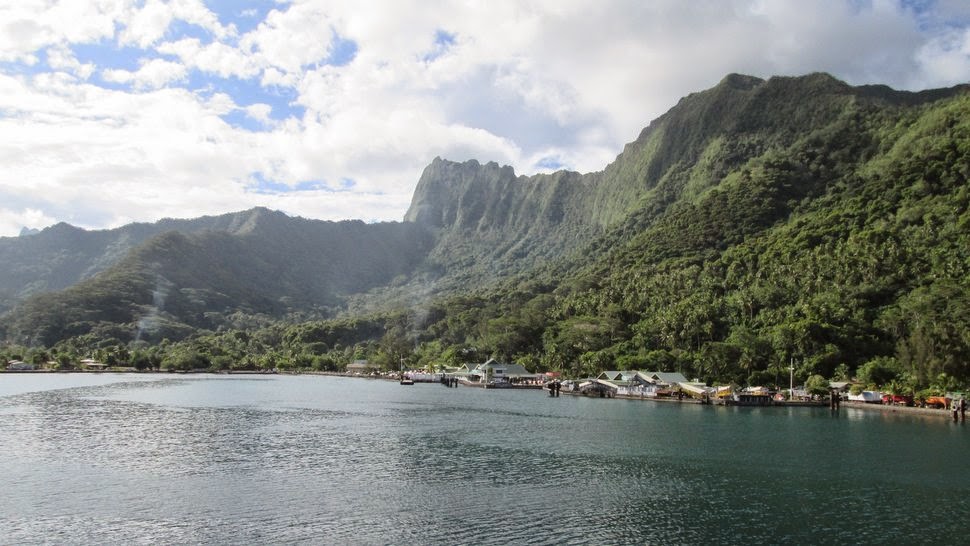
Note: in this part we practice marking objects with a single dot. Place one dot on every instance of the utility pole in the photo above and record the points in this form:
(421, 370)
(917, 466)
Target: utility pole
(791, 379)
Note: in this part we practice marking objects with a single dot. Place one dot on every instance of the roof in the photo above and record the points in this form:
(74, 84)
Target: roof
(694, 388)
(511, 370)
(596, 385)
(669, 378)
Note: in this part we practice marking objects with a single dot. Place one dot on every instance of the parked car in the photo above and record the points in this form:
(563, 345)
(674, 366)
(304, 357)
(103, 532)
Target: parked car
(897, 399)
(938, 402)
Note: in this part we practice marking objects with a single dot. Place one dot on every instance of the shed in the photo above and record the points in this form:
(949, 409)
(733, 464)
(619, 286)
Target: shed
(361, 366)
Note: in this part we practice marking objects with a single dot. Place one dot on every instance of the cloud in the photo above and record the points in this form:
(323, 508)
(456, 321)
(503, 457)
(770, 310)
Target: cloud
(215, 58)
(146, 25)
(118, 111)
(29, 26)
(62, 58)
(152, 74)
(307, 24)
(945, 58)
(260, 112)
(12, 221)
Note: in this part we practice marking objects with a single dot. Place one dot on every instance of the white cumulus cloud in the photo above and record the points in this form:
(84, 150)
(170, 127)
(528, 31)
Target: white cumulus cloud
(339, 104)
(152, 74)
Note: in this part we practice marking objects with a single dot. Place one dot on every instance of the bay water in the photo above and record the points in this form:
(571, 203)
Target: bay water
(253, 459)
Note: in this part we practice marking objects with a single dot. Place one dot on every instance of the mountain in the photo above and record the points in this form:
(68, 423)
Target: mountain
(63, 255)
(755, 223)
(490, 223)
(256, 263)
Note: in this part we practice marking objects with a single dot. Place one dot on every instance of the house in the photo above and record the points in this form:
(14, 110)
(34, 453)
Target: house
(19, 366)
(91, 364)
(361, 367)
(461, 373)
(611, 375)
(645, 383)
(663, 379)
(495, 373)
(598, 388)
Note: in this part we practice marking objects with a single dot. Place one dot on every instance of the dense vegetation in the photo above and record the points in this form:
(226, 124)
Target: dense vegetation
(755, 225)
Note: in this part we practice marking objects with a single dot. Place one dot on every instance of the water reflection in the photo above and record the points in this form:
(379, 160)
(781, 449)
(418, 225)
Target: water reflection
(326, 460)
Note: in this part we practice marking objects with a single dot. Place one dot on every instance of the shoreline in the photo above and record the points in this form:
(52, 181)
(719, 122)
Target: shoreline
(905, 410)
(883, 408)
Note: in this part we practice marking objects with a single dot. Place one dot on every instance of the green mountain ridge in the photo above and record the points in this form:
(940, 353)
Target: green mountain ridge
(62, 255)
(261, 266)
(755, 223)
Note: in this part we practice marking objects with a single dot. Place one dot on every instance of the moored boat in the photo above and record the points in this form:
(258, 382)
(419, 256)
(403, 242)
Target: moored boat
(869, 397)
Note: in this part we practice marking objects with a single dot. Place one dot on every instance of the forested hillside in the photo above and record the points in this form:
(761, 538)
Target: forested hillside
(756, 224)
(63, 255)
(266, 268)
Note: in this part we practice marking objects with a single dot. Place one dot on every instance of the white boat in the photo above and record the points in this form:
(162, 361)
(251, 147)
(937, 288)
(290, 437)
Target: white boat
(869, 397)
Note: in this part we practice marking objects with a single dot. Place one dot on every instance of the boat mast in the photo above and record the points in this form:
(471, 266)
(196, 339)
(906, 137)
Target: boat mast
(791, 379)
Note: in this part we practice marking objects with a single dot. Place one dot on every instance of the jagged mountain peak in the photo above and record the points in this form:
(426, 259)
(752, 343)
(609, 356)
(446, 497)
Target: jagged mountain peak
(449, 190)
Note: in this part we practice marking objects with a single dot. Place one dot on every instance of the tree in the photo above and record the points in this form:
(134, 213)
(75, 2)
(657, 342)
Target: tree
(140, 360)
(879, 371)
(817, 385)
(183, 358)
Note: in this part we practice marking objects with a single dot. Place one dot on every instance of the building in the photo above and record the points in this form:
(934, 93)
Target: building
(19, 366)
(496, 374)
(652, 384)
(361, 367)
(91, 364)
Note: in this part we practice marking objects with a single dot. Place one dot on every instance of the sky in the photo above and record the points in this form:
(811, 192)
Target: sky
(116, 111)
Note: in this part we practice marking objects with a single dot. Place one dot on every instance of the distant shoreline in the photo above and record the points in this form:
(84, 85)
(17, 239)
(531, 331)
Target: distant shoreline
(884, 408)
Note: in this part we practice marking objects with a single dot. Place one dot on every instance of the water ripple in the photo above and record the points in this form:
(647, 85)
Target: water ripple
(310, 460)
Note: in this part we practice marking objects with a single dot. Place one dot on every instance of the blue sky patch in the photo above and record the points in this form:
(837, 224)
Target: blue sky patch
(444, 39)
(551, 163)
(246, 92)
(442, 43)
(246, 15)
(21, 68)
(342, 51)
(180, 30)
(310, 185)
(239, 119)
(107, 55)
(262, 185)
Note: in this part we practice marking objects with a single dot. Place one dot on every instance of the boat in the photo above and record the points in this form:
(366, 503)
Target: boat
(869, 397)
(749, 399)
(405, 378)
